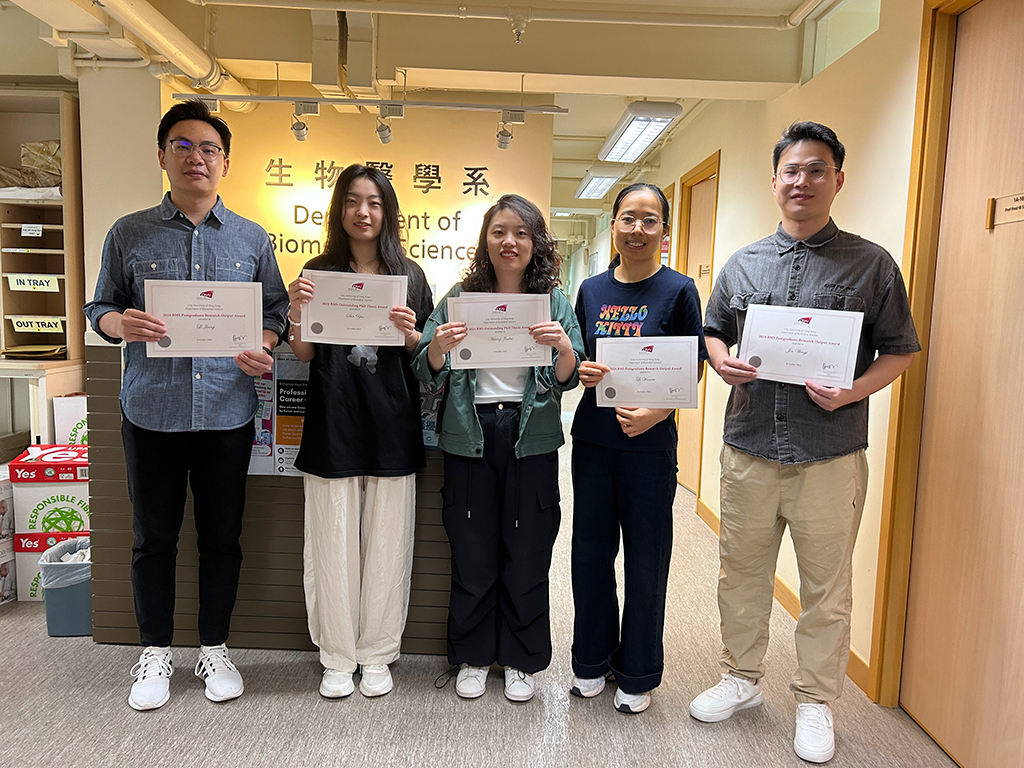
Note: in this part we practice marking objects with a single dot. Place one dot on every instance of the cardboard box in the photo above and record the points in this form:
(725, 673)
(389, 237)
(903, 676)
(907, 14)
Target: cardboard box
(51, 504)
(70, 425)
(8, 569)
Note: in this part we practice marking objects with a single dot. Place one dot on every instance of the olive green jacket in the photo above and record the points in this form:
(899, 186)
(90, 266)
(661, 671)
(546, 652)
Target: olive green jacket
(540, 426)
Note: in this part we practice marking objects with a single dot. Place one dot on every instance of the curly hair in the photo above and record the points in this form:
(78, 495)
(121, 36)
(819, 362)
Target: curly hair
(541, 275)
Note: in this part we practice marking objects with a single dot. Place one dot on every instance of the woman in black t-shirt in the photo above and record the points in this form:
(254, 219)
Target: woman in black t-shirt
(624, 463)
(362, 444)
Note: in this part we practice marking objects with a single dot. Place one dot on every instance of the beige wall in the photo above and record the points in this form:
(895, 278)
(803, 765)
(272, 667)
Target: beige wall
(120, 173)
(868, 97)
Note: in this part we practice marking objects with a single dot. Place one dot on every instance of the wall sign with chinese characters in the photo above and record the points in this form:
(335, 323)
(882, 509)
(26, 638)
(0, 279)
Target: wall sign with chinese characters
(445, 167)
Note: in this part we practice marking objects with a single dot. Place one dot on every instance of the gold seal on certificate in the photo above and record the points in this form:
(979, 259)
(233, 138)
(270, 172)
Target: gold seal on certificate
(795, 345)
(648, 372)
(353, 308)
(205, 318)
(497, 326)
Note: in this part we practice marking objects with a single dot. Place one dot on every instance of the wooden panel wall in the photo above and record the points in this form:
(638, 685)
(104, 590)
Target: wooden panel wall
(270, 612)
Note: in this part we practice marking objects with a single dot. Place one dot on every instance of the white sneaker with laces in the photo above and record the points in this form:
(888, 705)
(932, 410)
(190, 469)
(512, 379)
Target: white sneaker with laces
(729, 696)
(471, 682)
(152, 674)
(587, 687)
(519, 685)
(631, 703)
(814, 741)
(223, 682)
(336, 684)
(375, 680)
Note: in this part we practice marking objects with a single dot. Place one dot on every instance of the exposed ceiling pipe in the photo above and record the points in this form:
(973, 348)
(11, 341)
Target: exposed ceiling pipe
(523, 15)
(162, 36)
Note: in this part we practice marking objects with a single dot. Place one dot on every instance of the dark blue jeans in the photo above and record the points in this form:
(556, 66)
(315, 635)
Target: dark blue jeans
(161, 465)
(631, 492)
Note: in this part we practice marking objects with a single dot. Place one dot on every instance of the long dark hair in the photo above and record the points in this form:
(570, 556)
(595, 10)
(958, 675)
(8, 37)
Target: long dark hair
(541, 275)
(337, 250)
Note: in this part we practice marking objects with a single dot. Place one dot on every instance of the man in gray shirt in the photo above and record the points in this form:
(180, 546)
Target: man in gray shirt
(793, 455)
(186, 421)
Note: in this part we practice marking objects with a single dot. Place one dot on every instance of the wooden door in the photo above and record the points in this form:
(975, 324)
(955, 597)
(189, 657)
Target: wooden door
(699, 233)
(963, 664)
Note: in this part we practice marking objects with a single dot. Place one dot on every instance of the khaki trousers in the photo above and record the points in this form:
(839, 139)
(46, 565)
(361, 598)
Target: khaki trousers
(357, 567)
(821, 502)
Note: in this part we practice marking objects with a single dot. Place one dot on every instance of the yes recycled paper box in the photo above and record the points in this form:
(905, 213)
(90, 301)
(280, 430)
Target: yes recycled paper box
(51, 504)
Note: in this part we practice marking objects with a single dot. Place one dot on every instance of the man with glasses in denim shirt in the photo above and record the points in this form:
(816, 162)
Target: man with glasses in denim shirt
(794, 455)
(186, 421)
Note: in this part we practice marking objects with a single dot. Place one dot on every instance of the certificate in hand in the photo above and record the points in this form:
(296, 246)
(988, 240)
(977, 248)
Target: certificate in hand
(497, 326)
(648, 372)
(205, 318)
(353, 308)
(795, 344)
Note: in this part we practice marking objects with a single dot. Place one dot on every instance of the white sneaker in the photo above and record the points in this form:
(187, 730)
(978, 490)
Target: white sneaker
(223, 682)
(375, 680)
(152, 674)
(814, 740)
(336, 684)
(519, 685)
(471, 682)
(587, 687)
(631, 703)
(730, 695)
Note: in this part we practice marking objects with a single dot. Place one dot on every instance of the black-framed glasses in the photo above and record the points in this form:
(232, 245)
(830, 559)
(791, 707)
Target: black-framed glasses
(815, 171)
(183, 148)
(649, 224)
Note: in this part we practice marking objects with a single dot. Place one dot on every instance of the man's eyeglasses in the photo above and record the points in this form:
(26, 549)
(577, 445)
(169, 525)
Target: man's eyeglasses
(815, 171)
(649, 224)
(183, 148)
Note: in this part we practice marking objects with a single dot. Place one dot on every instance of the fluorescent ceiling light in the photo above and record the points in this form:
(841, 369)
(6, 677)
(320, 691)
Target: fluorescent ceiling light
(598, 180)
(638, 128)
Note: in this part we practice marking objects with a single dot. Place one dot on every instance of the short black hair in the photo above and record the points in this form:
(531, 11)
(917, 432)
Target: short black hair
(193, 109)
(808, 131)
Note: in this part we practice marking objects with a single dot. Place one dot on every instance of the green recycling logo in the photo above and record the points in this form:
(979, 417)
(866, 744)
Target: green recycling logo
(62, 520)
(79, 433)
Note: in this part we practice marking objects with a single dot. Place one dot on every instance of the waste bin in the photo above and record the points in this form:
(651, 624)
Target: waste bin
(67, 590)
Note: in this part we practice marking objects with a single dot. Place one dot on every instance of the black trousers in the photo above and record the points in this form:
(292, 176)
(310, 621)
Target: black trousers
(160, 467)
(631, 492)
(502, 516)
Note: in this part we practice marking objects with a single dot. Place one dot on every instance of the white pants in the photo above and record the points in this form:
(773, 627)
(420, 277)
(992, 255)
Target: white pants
(357, 567)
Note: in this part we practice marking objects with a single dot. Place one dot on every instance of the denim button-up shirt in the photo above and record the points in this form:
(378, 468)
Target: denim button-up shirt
(179, 394)
(831, 269)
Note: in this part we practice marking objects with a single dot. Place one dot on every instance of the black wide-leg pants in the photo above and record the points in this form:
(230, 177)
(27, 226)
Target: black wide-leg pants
(161, 465)
(501, 514)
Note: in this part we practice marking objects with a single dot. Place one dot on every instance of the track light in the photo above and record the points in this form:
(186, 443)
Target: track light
(383, 131)
(299, 129)
(504, 136)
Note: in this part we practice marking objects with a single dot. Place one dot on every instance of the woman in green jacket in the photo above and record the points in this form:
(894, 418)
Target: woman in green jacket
(500, 432)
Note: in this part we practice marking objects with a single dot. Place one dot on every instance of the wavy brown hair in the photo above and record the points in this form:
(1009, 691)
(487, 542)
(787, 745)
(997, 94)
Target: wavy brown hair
(541, 275)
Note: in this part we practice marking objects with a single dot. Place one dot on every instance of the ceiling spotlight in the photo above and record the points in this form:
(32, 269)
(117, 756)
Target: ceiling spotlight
(504, 137)
(299, 129)
(383, 131)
